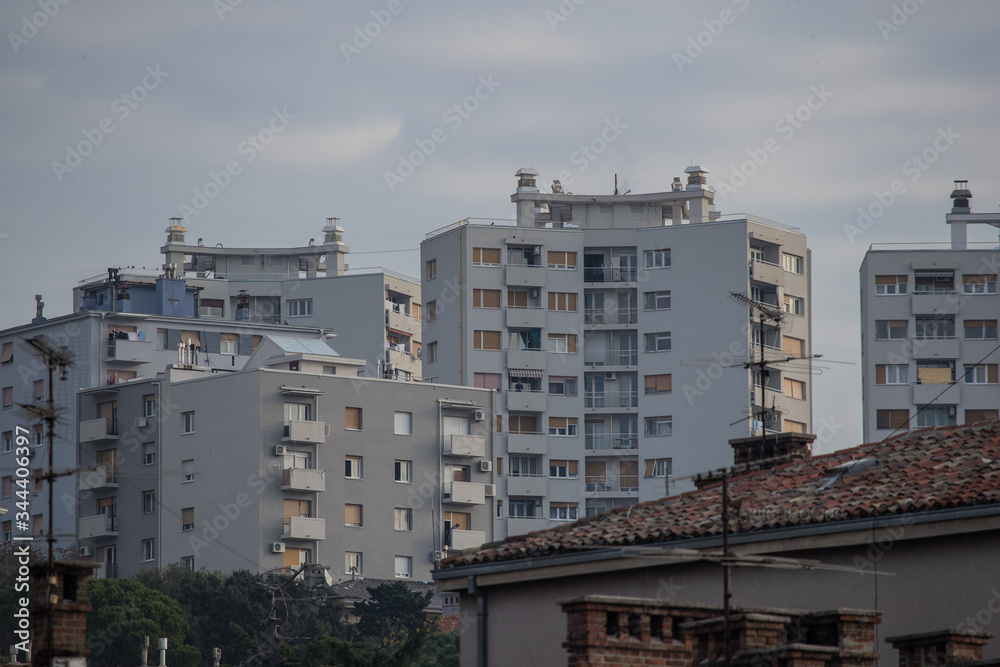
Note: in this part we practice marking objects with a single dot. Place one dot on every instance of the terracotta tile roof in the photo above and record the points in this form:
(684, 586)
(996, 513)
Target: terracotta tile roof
(939, 468)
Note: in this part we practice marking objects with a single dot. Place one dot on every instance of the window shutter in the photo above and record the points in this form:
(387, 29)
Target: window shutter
(648, 472)
(571, 343)
(352, 514)
(991, 373)
(187, 515)
(352, 418)
(880, 374)
(573, 467)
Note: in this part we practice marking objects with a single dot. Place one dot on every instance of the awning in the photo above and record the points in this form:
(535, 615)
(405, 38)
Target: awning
(938, 275)
(398, 332)
(526, 373)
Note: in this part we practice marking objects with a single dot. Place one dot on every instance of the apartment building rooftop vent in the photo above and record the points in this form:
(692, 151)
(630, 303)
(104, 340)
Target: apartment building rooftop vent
(676, 186)
(557, 188)
(175, 232)
(526, 180)
(333, 233)
(696, 177)
(960, 197)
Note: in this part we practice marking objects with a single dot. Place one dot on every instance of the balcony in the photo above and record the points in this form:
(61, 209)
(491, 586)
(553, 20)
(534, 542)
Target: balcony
(610, 316)
(525, 275)
(130, 351)
(304, 528)
(465, 493)
(106, 571)
(610, 357)
(926, 394)
(519, 358)
(525, 318)
(99, 525)
(519, 525)
(936, 348)
(599, 486)
(939, 302)
(612, 441)
(473, 446)
(609, 274)
(399, 319)
(304, 431)
(527, 443)
(611, 399)
(303, 479)
(101, 478)
(523, 485)
(96, 430)
(526, 401)
(765, 272)
(467, 539)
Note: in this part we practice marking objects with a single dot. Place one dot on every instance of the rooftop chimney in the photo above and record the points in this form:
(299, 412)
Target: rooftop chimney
(960, 197)
(333, 235)
(676, 186)
(557, 188)
(175, 232)
(60, 604)
(39, 306)
(696, 177)
(526, 180)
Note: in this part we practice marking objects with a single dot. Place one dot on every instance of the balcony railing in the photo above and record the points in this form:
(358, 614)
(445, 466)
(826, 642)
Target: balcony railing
(612, 441)
(610, 357)
(609, 274)
(606, 483)
(610, 315)
(102, 428)
(296, 430)
(611, 399)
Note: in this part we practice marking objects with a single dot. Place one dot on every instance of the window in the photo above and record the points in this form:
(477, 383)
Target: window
(8, 441)
(403, 423)
(402, 518)
(187, 419)
(935, 415)
(793, 347)
(431, 269)
(982, 374)
(149, 405)
(891, 419)
(935, 372)
(329, 370)
(187, 519)
(656, 426)
(432, 310)
(522, 424)
(187, 470)
(299, 307)
(562, 426)
(8, 531)
(565, 301)
(36, 432)
(352, 419)
(8, 397)
(486, 340)
(659, 468)
(890, 329)
(486, 380)
(562, 343)
(228, 344)
(37, 524)
(7, 353)
(485, 298)
(148, 550)
(352, 467)
(188, 563)
(486, 256)
(404, 471)
(353, 515)
(795, 305)
(38, 390)
(658, 384)
(980, 416)
(889, 285)
(352, 562)
(7, 486)
(517, 298)
(404, 567)
(148, 502)
(563, 511)
(148, 453)
(657, 259)
(792, 426)
(934, 327)
(980, 284)
(525, 466)
(980, 329)
(561, 469)
(210, 308)
(415, 307)
(562, 260)
(432, 352)
(891, 374)
(933, 282)
(522, 508)
(795, 388)
(161, 339)
(562, 385)
(658, 342)
(791, 263)
(656, 300)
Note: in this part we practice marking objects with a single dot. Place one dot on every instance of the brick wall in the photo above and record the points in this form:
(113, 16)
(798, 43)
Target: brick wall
(59, 601)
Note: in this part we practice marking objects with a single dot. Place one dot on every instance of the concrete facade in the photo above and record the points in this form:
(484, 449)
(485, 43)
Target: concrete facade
(929, 329)
(294, 459)
(605, 324)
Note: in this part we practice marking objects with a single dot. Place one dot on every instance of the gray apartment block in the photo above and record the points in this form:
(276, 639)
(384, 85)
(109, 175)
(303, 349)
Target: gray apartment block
(929, 328)
(607, 326)
(294, 459)
(375, 313)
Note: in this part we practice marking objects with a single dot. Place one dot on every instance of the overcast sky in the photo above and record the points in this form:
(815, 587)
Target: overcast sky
(256, 120)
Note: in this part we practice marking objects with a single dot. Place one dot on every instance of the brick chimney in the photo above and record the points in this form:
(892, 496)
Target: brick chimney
(60, 602)
(943, 647)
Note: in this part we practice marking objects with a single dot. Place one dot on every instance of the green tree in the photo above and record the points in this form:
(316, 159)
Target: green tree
(441, 650)
(394, 612)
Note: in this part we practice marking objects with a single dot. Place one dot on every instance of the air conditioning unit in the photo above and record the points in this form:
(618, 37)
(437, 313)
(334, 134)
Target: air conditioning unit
(490, 490)
(478, 415)
(610, 376)
(86, 551)
(140, 422)
(277, 547)
(326, 430)
(533, 292)
(280, 450)
(436, 556)
(486, 466)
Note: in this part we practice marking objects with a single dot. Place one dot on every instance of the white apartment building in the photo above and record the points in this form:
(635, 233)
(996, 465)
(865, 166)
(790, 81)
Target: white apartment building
(606, 325)
(929, 328)
(294, 459)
